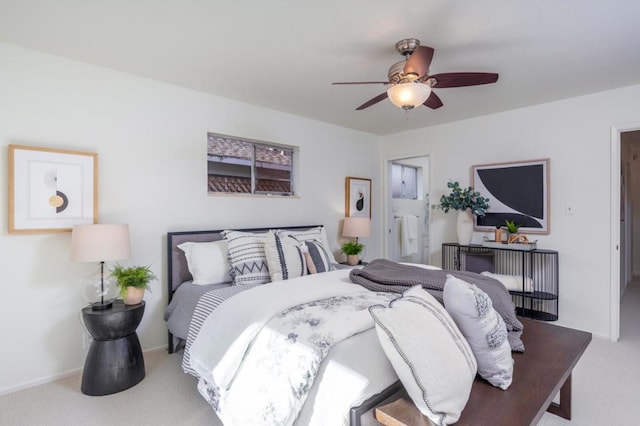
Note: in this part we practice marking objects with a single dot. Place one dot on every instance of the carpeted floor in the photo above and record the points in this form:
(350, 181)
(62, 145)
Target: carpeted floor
(605, 390)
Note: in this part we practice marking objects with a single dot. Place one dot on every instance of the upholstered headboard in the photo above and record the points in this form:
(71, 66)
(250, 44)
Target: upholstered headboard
(178, 272)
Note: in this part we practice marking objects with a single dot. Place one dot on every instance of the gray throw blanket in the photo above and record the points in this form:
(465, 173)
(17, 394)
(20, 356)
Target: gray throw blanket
(384, 275)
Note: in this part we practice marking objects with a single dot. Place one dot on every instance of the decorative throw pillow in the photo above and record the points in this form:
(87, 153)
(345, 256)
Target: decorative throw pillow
(207, 262)
(476, 262)
(247, 257)
(483, 328)
(428, 352)
(318, 256)
(317, 234)
(512, 282)
(285, 256)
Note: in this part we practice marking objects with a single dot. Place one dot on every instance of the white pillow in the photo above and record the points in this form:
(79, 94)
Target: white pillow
(285, 256)
(247, 257)
(207, 262)
(483, 328)
(428, 352)
(512, 282)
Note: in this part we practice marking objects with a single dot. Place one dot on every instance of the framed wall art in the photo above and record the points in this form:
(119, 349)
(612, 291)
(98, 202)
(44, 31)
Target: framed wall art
(357, 197)
(51, 190)
(517, 191)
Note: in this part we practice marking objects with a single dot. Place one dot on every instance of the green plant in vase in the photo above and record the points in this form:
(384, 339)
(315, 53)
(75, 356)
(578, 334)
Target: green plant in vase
(512, 227)
(352, 249)
(468, 203)
(462, 199)
(133, 281)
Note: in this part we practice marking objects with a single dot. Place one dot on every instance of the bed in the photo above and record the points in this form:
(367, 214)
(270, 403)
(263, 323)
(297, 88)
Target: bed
(375, 381)
(351, 374)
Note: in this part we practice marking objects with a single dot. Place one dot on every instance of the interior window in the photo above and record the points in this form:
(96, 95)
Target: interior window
(404, 181)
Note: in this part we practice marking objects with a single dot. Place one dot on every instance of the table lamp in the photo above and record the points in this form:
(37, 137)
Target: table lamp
(356, 227)
(99, 243)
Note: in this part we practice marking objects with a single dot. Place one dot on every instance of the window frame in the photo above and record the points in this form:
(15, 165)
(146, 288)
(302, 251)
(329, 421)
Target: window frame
(402, 183)
(255, 144)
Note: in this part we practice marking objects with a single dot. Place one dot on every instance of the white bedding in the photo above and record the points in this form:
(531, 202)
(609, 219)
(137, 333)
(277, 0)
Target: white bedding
(353, 370)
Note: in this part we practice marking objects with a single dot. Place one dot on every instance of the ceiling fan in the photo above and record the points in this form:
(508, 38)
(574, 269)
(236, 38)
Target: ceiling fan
(411, 84)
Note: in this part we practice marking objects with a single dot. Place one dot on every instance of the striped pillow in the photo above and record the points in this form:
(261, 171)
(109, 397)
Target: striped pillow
(317, 234)
(428, 352)
(247, 257)
(285, 256)
(318, 256)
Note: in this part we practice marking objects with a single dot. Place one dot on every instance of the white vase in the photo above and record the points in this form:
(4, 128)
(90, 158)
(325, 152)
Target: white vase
(465, 226)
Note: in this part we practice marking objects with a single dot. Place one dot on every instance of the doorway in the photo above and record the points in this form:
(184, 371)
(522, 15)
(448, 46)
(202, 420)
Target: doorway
(407, 209)
(625, 206)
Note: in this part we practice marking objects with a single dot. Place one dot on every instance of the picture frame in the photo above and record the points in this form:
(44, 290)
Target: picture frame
(51, 190)
(517, 191)
(357, 197)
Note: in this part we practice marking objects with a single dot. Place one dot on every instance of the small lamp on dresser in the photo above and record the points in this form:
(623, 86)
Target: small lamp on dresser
(99, 243)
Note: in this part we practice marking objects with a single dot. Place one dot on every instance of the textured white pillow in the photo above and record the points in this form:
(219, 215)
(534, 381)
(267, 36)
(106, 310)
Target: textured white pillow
(285, 256)
(207, 262)
(512, 282)
(247, 257)
(428, 352)
(483, 328)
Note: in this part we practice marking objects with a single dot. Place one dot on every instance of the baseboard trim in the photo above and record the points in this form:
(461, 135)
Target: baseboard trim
(41, 381)
(60, 376)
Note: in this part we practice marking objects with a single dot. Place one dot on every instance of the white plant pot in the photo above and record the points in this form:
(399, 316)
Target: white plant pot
(353, 259)
(464, 226)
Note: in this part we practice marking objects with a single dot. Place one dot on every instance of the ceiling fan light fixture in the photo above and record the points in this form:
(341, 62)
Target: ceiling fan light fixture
(408, 95)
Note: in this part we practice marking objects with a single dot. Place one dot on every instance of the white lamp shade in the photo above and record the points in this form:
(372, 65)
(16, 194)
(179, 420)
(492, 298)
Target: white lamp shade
(98, 243)
(356, 227)
(408, 95)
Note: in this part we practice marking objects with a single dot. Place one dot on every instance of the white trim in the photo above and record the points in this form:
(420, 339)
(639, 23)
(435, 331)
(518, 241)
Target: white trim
(614, 261)
(60, 376)
(614, 268)
(41, 381)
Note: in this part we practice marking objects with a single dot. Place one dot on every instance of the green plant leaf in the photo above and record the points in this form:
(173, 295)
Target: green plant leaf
(134, 276)
(462, 199)
(351, 247)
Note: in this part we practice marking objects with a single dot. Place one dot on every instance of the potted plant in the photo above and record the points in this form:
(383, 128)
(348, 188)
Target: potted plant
(133, 281)
(352, 249)
(468, 203)
(512, 229)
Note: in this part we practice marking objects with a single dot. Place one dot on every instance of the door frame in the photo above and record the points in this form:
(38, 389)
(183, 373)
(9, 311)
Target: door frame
(387, 197)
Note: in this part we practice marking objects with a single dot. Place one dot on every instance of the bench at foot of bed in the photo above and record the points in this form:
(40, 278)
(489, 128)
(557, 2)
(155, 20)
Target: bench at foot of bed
(543, 370)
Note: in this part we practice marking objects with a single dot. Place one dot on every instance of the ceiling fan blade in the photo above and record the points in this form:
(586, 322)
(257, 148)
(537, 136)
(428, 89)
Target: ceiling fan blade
(380, 97)
(363, 82)
(433, 101)
(419, 61)
(461, 79)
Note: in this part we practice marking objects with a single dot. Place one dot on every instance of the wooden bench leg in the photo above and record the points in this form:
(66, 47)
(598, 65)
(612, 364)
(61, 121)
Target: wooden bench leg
(563, 409)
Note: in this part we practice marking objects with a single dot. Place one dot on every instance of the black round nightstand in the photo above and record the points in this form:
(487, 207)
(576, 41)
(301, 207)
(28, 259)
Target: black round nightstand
(115, 361)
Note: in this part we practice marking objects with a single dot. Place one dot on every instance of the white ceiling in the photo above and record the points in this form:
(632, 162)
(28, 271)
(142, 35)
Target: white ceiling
(284, 54)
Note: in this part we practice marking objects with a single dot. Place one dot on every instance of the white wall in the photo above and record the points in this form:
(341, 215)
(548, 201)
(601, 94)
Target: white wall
(151, 143)
(575, 135)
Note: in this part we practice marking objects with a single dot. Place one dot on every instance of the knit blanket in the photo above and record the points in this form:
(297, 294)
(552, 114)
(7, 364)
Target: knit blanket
(385, 275)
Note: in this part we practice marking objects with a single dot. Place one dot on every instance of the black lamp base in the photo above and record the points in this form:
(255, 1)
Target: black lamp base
(101, 306)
